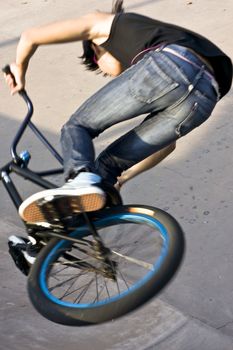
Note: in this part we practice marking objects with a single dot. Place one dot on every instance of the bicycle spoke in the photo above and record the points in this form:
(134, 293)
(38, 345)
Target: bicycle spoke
(63, 283)
(83, 287)
(135, 261)
(106, 287)
(122, 276)
(63, 269)
(69, 288)
(82, 294)
(103, 287)
(97, 290)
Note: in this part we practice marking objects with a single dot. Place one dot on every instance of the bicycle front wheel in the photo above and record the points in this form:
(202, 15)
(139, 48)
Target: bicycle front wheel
(70, 283)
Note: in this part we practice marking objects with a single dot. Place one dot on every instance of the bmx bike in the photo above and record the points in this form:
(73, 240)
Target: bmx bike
(97, 266)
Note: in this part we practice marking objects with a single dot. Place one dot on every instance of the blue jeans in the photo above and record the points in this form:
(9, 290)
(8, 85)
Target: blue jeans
(176, 96)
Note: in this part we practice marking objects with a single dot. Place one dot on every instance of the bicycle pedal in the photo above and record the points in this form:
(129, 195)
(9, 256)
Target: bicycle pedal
(23, 251)
(18, 257)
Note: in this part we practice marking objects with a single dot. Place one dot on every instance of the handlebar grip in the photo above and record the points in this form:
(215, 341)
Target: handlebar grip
(7, 71)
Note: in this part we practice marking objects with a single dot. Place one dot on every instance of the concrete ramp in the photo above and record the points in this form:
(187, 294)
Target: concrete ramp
(157, 325)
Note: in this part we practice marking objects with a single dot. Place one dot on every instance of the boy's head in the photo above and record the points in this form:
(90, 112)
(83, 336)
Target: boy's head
(88, 56)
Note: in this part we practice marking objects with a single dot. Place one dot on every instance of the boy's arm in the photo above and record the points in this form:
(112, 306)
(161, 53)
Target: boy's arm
(88, 27)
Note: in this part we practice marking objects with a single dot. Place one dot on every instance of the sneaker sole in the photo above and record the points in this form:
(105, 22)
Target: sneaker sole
(50, 206)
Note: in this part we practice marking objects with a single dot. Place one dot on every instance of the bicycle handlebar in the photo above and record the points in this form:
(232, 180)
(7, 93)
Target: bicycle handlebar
(26, 121)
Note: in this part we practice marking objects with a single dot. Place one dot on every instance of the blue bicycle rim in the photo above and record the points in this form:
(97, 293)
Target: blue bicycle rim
(114, 218)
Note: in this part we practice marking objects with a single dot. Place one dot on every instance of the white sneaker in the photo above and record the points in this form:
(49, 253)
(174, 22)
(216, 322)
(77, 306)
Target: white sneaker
(77, 195)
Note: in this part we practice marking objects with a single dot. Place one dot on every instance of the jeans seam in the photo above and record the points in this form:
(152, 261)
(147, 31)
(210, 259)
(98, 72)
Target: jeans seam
(190, 114)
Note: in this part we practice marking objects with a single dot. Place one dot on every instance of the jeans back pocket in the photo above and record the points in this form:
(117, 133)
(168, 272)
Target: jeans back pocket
(150, 80)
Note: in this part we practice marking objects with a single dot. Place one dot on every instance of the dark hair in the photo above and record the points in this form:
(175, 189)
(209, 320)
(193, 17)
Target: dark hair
(88, 53)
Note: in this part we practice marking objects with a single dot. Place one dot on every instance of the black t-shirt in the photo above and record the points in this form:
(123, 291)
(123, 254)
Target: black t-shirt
(132, 33)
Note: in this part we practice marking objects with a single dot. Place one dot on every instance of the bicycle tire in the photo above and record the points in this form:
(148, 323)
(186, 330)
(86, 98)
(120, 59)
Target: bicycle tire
(82, 313)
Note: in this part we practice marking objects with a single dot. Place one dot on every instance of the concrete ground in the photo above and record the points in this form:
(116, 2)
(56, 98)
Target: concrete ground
(195, 312)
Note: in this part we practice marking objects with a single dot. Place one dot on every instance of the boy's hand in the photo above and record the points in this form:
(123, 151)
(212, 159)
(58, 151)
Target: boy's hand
(15, 80)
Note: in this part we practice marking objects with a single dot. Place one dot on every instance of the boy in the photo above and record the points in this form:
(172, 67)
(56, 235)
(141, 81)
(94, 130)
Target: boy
(172, 74)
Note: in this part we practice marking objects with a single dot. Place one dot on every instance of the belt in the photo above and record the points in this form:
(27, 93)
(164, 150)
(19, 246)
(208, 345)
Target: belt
(173, 49)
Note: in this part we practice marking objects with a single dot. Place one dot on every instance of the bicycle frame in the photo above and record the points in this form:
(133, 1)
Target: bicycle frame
(19, 166)
(19, 162)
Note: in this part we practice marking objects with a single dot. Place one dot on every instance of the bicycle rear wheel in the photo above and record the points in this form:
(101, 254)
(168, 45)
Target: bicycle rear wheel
(68, 283)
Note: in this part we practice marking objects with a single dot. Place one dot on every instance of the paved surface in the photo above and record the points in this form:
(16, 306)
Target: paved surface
(195, 185)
